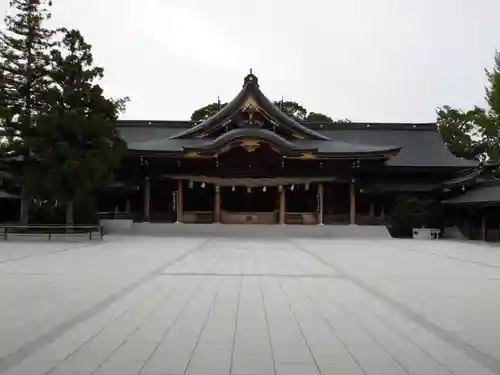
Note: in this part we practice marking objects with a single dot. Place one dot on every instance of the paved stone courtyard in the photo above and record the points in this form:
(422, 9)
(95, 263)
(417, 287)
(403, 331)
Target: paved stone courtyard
(146, 305)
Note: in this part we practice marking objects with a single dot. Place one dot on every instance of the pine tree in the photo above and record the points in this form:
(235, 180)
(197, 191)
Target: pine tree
(77, 135)
(24, 60)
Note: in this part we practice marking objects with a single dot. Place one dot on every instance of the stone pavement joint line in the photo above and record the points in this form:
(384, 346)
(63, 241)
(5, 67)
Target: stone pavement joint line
(472, 352)
(235, 326)
(276, 275)
(26, 350)
(35, 255)
(458, 259)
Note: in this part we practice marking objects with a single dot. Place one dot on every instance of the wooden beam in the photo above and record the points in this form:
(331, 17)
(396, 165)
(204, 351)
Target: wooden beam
(217, 204)
(321, 209)
(352, 207)
(282, 204)
(180, 209)
(147, 199)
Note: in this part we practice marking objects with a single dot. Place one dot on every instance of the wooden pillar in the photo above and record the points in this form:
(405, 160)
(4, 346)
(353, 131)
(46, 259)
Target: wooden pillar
(282, 204)
(147, 199)
(321, 209)
(352, 210)
(180, 209)
(217, 205)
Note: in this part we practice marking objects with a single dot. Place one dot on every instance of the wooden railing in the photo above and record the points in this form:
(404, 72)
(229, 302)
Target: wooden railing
(50, 230)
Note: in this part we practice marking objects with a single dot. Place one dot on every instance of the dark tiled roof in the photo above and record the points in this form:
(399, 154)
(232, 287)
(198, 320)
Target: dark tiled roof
(470, 176)
(485, 194)
(421, 144)
(420, 147)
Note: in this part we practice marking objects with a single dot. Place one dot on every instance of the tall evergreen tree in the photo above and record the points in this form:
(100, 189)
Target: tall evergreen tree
(77, 135)
(475, 133)
(24, 59)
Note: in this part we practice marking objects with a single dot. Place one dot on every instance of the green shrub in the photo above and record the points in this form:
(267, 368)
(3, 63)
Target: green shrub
(413, 212)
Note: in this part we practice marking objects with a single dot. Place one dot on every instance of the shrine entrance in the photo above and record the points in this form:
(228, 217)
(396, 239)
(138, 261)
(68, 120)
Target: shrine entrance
(245, 204)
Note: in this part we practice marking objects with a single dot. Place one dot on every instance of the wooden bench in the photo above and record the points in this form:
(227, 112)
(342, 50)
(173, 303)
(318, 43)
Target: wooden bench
(50, 230)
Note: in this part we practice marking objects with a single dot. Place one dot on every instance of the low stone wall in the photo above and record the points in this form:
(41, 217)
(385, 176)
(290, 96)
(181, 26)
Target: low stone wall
(261, 231)
(116, 225)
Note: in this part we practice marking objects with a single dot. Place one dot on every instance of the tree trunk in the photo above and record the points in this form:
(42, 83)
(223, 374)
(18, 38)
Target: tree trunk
(69, 215)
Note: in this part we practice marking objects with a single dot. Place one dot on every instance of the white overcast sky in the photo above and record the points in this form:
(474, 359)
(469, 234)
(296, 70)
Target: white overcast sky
(367, 60)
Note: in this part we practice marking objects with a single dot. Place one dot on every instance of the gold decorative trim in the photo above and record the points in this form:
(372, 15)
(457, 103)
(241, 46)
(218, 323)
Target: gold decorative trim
(307, 155)
(297, 136)
(250, 145)
(192, 154)
(303, 156)
(203, 135)
(250, 105)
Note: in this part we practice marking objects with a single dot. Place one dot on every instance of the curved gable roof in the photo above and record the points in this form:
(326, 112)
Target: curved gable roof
(251, 94)
(249, 133)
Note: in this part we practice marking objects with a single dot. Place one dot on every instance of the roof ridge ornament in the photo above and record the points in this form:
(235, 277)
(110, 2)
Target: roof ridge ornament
(251, 79)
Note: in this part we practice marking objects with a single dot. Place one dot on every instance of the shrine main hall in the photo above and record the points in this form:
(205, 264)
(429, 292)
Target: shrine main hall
(252, 163)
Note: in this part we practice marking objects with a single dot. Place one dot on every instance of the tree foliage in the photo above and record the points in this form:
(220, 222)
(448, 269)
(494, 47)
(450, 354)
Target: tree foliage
(24, 60)
(475, 133)
(54, 117)
(318, 117)
(461, 133)
(207, 111)
(76, 135)
(292, 109)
